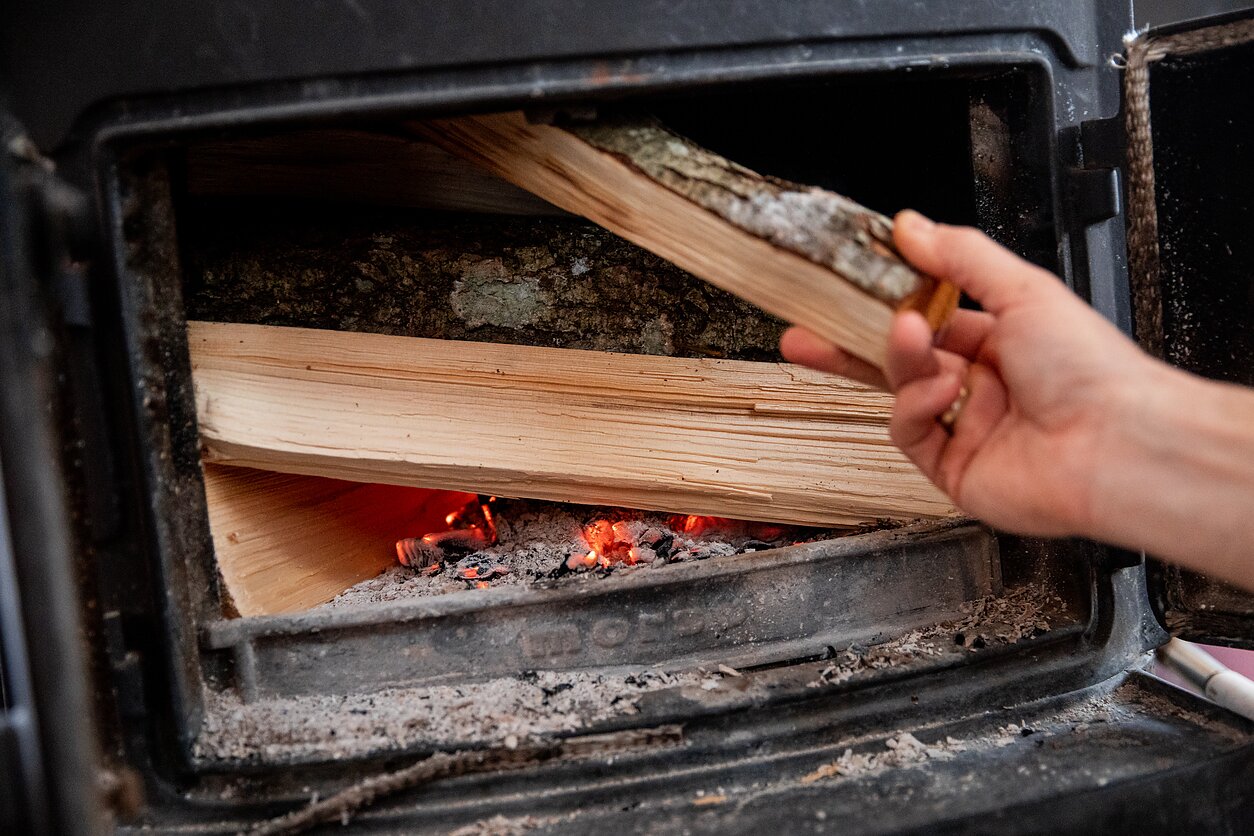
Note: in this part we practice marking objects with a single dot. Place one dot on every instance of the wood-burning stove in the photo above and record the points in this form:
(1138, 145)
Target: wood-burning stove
(935, 676)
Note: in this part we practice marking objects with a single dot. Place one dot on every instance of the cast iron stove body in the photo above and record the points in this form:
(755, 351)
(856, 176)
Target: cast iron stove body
(1013, 124)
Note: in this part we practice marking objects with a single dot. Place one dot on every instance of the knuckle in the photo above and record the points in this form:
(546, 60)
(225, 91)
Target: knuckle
(895, 432)
(963, 245)
(904, 430)
(949, 471)
(968, 236)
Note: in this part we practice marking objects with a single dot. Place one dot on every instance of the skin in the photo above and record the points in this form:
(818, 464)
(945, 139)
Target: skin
(1069, 429)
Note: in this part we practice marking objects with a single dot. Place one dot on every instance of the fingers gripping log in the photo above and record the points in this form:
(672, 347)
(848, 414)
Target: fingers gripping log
(809, 256)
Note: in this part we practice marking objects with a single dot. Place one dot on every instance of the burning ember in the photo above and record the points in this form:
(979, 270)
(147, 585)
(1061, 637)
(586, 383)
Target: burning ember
(610, 543)
(725, 527)
(613, 544)
(470, 528)
(462, 542)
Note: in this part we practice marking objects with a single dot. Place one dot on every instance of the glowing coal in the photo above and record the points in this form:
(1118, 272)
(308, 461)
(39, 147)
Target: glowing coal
(479, 542)
(467, 529)
(609, 543)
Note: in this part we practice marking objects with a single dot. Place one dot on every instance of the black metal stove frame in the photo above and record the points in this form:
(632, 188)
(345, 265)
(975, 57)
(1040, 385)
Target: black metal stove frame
(156, 631)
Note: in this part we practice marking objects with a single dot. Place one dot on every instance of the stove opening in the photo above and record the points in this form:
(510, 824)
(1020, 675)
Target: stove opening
(363, 228)
(324, 615)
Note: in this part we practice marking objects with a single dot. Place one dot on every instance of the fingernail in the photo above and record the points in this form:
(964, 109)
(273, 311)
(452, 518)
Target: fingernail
(914, 222)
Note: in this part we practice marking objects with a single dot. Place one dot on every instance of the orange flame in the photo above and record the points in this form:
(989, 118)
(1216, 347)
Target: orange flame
(696, 525)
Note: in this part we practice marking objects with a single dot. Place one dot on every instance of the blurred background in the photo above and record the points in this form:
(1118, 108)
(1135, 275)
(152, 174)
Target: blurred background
(1158, 12)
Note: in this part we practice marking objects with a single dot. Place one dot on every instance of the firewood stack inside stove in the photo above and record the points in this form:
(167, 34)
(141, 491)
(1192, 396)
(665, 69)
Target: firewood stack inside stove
(393, 349)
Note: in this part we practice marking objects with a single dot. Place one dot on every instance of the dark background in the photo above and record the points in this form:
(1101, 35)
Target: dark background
(1158, 12)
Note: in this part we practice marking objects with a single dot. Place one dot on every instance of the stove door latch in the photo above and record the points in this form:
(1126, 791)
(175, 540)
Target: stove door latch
(1092, 188)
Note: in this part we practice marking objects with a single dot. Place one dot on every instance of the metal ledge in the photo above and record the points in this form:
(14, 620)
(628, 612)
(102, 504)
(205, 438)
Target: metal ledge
(742, 610)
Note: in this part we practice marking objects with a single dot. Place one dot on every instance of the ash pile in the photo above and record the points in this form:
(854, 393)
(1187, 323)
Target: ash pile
(500, 542)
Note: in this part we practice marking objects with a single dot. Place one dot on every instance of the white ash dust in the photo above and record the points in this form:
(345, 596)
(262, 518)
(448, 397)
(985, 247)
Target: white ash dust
(1090, 715)
(903, 750)
(499, 712)
(906, 750)
(995, 620)
(510, 710)
(499, 825)
(534, 540)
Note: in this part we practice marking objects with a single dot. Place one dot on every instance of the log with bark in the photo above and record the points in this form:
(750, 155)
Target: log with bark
(521, 280)
(809, 256)
(759, 441)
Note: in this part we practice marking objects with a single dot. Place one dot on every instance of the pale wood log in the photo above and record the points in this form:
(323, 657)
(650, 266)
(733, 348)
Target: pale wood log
(286, 542)
(760, 441)
(358, 166)
(809, 256)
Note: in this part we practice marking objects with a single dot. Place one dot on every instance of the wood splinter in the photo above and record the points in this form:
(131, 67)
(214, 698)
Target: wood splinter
(809, 256)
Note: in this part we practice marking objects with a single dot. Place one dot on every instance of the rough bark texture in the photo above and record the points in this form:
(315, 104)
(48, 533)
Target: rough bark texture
(825, 227)
(519, 280)
(705, 227)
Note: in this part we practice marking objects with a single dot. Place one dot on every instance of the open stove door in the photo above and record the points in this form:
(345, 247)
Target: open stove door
(48, 769)
(1192, 267)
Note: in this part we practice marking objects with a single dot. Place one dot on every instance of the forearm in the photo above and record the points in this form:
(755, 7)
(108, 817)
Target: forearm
(1177, 477)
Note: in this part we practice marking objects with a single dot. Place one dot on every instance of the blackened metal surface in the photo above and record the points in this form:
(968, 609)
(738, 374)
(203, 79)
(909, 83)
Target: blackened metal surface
(59, 60)
(1128, 752)
(1057, 769)
(787, 701)
(168, 494)
(1203, 130)
(1159, 12)
(167, 458)
(23, 796)
(1008, 124)
(57, 89)
(745, 610)
(1202, 609)
(50, 726)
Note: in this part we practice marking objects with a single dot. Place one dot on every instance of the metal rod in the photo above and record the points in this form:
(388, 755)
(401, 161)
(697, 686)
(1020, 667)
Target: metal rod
(1218, 682)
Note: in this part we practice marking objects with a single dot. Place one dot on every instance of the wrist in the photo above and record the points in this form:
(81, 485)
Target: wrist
(1174, 478)
(1142, 431)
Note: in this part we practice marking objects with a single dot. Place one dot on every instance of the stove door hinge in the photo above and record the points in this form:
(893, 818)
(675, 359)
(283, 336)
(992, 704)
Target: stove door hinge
(1092, 188)
(1102, 143)
(65, 240)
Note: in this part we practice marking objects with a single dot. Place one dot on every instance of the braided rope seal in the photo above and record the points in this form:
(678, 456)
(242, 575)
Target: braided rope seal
(1143, 254)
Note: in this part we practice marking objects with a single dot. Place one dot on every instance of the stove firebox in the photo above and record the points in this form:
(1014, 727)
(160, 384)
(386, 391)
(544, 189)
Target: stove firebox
(633, 671)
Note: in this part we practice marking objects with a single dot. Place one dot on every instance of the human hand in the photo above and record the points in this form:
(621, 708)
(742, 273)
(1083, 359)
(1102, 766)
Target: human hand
(1048, 381)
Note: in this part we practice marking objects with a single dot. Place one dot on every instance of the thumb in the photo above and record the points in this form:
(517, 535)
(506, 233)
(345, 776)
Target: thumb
(986, 271)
